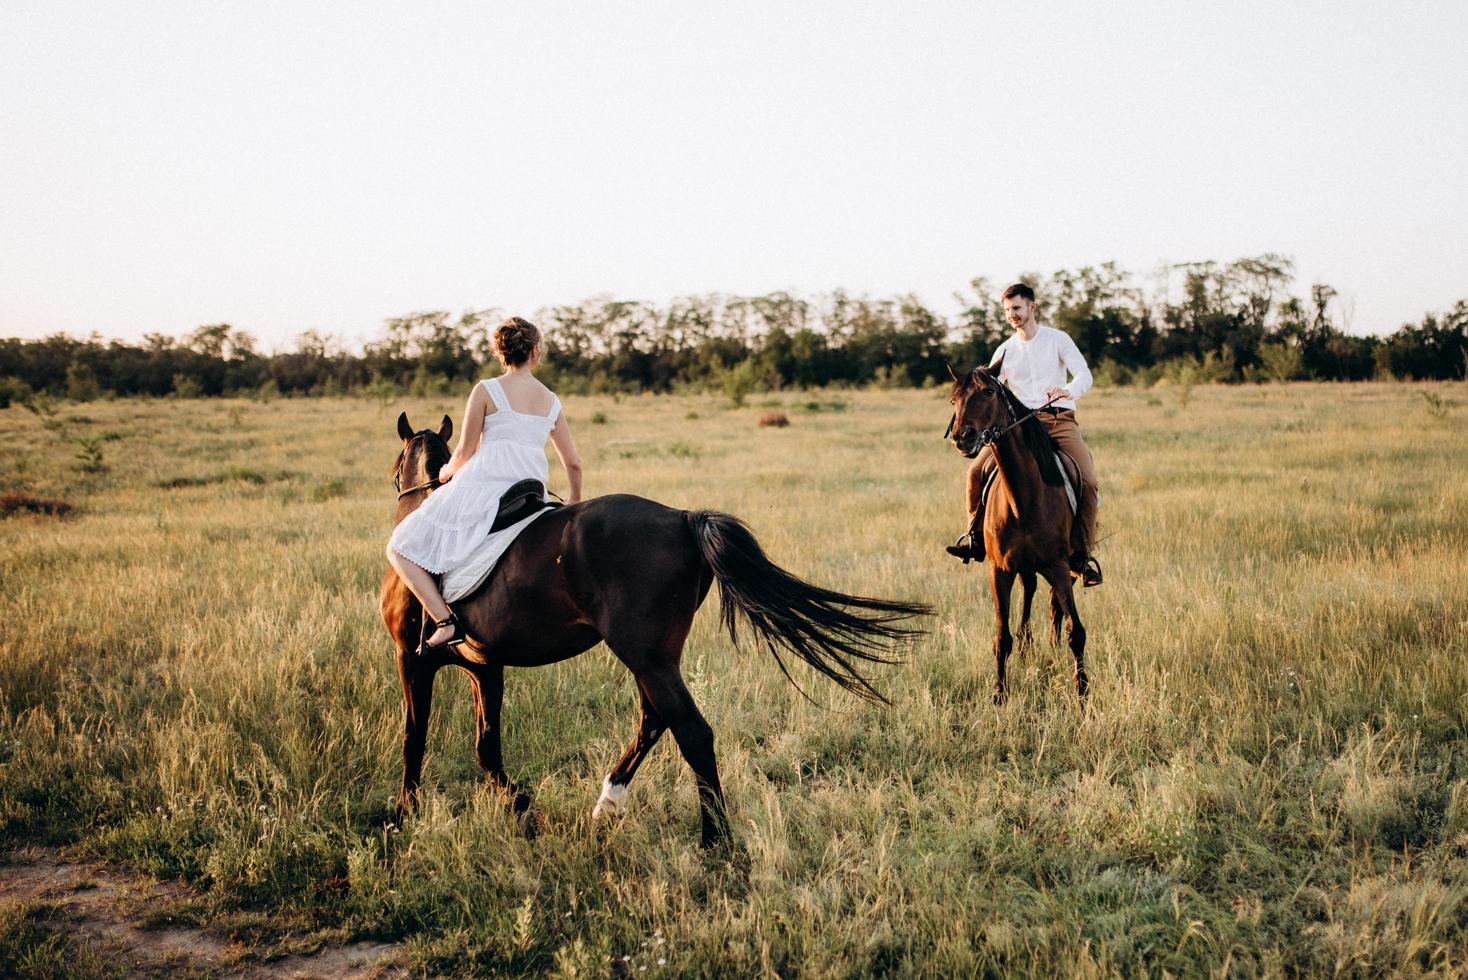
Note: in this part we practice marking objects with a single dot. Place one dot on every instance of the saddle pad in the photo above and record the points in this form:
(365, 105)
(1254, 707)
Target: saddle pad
(1067, 468)
(475, 571)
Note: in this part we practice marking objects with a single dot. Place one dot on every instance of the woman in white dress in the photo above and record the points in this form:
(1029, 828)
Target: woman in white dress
(502, 442)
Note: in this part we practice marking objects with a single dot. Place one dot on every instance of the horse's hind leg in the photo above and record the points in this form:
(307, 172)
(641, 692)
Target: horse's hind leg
(1060, 585)
(1002, 583)
(489, 696)
(650, 727)
(1024, 637)
(1057, 616)
(669, 697)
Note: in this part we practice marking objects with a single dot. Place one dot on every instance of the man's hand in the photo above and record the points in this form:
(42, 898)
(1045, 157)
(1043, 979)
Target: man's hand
(1057, 394)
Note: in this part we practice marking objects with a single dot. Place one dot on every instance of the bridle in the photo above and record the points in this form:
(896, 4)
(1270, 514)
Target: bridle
(991, 434)
(397, 480)
(432, 484)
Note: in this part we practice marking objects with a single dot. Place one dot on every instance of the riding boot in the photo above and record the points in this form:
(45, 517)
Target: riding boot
(1086, 568)
(969, 547)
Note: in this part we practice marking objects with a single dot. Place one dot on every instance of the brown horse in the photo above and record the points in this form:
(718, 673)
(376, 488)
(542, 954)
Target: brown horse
(631, 572)
(1027, 518)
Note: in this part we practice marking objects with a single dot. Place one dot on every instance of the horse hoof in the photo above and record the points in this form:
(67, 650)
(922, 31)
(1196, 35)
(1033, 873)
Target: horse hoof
(999, 698)
(531, 823)
(613, 802)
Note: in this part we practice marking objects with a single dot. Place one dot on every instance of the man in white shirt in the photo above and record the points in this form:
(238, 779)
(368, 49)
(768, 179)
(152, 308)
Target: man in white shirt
(1036, 361)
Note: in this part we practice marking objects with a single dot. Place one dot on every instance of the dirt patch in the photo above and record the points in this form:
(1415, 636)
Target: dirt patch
(103, 908)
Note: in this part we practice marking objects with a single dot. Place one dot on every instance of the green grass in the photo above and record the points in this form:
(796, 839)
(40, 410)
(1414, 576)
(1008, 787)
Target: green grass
(1271, 778)
(35, 946)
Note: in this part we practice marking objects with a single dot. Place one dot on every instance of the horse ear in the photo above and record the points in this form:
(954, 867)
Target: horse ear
(950, 370)
(446, 428)
(405, 431)
(994, 367)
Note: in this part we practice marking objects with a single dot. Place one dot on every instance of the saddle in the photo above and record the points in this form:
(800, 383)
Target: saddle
(519, 502)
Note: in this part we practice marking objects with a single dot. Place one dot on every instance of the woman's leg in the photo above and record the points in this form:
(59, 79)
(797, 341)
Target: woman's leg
(421, 584)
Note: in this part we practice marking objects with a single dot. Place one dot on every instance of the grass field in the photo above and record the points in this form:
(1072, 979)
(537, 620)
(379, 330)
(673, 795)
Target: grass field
(1271, 777)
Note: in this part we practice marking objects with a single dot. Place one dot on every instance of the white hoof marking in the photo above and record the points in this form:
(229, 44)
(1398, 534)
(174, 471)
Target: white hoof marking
(613, 802)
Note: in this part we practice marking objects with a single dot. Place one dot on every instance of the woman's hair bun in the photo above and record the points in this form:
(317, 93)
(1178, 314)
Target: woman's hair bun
(514, 339)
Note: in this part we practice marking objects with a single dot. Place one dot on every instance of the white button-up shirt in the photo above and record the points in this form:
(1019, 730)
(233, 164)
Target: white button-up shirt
(1033, 367)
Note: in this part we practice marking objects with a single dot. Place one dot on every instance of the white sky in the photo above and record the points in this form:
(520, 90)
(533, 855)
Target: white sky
(285, 166)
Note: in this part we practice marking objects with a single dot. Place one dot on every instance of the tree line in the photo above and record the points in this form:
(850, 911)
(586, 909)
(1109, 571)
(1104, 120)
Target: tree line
(1239, 321)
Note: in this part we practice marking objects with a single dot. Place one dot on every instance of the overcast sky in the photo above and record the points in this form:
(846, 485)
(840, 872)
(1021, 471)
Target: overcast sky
(285, 166)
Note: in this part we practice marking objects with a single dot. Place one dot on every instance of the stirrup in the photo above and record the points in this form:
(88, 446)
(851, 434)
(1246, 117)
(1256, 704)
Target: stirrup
(459, 635)
(964, 548)
(1088, 571)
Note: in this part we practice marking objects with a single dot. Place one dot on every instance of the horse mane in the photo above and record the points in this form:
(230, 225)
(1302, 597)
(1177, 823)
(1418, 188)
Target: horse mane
(433, 447)
(1035, 437)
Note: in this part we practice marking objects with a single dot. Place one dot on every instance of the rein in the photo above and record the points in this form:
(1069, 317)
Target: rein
(432, 484)
(991, 435)
(397, 482)
(993, 432)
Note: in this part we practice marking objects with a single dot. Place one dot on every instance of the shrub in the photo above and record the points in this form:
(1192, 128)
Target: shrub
(186, 387)
(739, 381)
(892, 376)
(20, 503)
(81, 383)
(13, 390)
(1110, 374)
(1436, 406)
(89, 454)
(1281, 362)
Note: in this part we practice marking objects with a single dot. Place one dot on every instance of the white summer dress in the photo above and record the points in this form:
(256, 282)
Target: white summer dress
(449, 533)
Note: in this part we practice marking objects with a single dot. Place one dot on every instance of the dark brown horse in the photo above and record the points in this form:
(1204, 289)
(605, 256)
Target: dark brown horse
(1027, 518)
(631, 572)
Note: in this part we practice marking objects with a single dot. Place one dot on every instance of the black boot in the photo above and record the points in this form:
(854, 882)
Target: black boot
(1086, 568)
(969, 547)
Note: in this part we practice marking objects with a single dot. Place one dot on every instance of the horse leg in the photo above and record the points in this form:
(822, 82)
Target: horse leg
(1057, 616)
(417, 678)
(1024, 636)
(1060, 585)
(650, 727)
(489, 696)
(1002, 582)
(674, 705)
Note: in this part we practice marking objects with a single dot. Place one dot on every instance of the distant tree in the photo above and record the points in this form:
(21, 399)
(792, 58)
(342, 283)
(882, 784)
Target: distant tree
(1436, 349)
(1207, 321)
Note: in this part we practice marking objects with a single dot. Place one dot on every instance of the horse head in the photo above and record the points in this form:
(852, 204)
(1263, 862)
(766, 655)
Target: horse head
(423, 454)
(980, 407)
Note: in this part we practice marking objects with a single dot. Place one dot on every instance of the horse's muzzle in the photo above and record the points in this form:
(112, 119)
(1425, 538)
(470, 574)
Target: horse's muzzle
(968, 442)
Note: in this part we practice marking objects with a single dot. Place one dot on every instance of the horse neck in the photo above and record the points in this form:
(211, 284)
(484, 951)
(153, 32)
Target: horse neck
(1019, 471)
(407, 505)
(410, 503)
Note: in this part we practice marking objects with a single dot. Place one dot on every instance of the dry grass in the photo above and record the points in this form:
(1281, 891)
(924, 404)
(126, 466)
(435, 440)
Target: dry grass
(1271, 777)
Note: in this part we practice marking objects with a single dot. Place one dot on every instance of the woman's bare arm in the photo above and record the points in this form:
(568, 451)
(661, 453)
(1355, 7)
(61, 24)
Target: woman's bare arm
(470, 432)
(570, 459)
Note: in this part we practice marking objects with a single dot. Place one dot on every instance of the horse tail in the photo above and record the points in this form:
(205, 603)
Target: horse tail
(828, 630)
